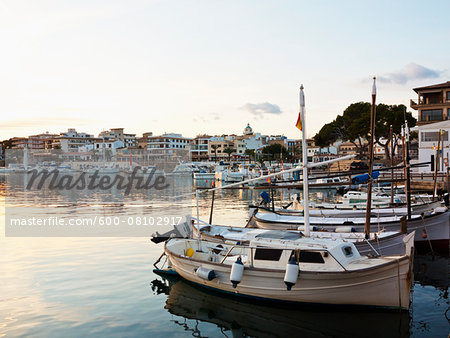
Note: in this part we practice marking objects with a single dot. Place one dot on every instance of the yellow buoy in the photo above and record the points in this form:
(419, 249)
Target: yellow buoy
(190, 252)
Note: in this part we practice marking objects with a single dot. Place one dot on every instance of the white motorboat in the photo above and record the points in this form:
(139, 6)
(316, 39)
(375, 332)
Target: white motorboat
(204, 176)
(185, 169)
(307, 270)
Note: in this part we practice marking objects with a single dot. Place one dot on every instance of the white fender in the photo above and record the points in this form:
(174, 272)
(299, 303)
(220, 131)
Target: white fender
(237, 271)
(291, 274)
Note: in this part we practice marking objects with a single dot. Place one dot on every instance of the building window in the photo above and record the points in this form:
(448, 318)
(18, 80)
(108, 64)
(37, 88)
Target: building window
(431, 115)
(447, 96)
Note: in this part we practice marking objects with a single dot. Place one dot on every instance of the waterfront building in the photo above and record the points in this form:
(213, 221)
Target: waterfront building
(324, 154)
(71, 140)
(433, 103)
(168, 141)
(109, 147)
(143, 141)
(198, 148)
(18, 142)
(428, 145)
(41, 141)
(218, 144)
(117, 134)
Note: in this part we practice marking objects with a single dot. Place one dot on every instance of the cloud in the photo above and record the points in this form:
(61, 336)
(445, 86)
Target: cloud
(410, 72)
(259, 109)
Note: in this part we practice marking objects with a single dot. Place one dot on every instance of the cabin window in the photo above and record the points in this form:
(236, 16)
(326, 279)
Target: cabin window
(311, 257)
(268, 254)
(348, 252)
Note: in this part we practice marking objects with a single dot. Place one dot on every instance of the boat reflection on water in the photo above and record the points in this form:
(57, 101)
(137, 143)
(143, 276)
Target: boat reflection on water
(242, 317)
(432, 270)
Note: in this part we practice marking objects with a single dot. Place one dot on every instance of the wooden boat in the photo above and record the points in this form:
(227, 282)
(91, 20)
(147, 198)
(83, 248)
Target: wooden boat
(305, 270)
(431, 229)
(319, 211)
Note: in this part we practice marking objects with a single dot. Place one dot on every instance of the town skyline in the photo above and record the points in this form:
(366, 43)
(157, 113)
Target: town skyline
(150, 66)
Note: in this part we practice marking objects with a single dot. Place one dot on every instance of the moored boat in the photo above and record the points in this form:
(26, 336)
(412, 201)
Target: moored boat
(304, 270)
(432, 229)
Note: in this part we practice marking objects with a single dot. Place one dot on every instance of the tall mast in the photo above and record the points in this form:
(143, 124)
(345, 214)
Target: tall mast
(408, 171)
(305, 163)
(372, 134)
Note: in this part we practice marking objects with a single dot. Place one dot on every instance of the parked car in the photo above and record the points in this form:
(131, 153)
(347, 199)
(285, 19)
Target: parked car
(359, 166)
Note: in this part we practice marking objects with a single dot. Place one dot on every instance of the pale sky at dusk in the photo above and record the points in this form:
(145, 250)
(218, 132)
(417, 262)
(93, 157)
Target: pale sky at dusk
(210, 66)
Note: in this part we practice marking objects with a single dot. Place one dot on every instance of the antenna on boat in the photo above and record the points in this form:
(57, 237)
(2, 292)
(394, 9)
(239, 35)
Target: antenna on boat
(301, 124)
(369, 183)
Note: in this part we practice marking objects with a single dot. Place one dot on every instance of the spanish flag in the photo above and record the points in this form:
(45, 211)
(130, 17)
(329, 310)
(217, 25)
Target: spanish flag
(299, 122)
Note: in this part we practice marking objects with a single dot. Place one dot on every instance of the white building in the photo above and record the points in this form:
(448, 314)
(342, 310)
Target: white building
(254, 142)
(199, 148)
(168, 141)
(428, 145)
(72, 140)
(106, 146)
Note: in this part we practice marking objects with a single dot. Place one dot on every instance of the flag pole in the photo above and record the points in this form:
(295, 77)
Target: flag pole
(369, 186)
(305, 163)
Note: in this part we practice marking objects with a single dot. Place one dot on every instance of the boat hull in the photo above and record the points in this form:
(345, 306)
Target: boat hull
(431, 231)
(384, 286)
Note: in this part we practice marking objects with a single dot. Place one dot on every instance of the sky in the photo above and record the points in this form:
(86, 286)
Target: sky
(210, 66)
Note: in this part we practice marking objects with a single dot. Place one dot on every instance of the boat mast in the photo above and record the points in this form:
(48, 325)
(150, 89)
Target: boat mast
(408, 171)
(305, 163)
(369, 186)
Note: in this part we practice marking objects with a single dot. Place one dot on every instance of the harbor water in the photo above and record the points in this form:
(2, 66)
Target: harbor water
(106, 287)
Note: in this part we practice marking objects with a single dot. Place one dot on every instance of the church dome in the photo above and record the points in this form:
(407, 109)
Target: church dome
(248, 130)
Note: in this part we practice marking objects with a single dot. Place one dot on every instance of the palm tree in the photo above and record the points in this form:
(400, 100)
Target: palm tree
(250, 153)
(229, 151)
(214, 148)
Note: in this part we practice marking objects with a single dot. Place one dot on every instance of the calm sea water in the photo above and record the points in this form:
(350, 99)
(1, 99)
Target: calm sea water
(106, 287)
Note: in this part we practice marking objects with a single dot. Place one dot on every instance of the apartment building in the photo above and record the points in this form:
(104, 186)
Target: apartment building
(218, 145)
(117, 134)
(168, 141)
(72, 140)
(433, 103)
(199, 148)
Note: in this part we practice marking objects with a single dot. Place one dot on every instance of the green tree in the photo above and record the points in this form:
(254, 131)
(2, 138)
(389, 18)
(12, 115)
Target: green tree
(229, 151)
(354, 126)
(250, 153)
(214, 148)
(275, 151)
(395, 116)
